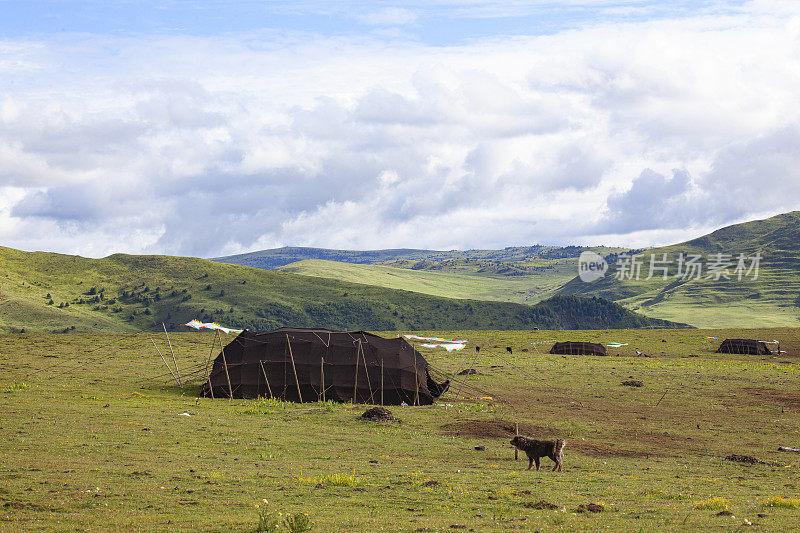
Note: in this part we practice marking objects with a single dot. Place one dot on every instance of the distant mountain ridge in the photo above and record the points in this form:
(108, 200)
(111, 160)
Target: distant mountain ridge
(534, 273)
(278, 257)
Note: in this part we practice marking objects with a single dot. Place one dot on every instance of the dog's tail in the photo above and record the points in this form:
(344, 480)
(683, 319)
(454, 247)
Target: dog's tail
(560, 444)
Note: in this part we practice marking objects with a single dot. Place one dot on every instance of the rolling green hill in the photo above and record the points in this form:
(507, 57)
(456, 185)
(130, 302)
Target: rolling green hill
(520, 274)
(54, 292)
(437, 283)
(512, 261)
(772, 299)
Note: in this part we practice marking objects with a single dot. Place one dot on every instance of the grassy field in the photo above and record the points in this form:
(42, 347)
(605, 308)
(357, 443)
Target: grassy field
(95, 438)
(530, 288)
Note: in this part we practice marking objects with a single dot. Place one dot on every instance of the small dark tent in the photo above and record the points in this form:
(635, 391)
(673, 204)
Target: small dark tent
(578, 348)
(293, 363)
(743, 346)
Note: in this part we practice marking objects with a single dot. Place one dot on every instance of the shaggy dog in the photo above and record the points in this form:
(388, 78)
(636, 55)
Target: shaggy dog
(536, 449)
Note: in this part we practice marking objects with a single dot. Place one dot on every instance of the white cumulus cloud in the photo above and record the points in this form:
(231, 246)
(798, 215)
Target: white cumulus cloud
(623, 133)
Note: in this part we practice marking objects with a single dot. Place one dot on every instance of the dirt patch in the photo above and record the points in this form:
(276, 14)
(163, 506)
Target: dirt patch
(541, 504)
(495, 429)
(633, 383)
(469, 372)
(589, 508)
(603, 450)
(378, 414)
(787, 399)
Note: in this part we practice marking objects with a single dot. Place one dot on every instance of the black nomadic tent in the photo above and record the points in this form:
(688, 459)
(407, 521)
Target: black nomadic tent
(293, 364)
(743, 346)
(578, 348)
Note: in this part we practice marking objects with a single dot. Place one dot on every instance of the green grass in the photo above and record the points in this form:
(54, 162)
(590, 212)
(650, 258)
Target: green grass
(61, 293)
(98, 440)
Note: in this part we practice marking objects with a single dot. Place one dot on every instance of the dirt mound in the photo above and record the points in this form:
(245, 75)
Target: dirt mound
(541, 504)
(746, 459)
(468, 372)
(589, 507)
(377, 414)
(495, 428)
(633, 383)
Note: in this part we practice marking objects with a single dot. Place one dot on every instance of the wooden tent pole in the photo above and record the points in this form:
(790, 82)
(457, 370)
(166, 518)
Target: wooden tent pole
(355, 385)
(210, 353)
(225, 363)
(174, 360)
(210, 385)
(516, 450)
(269, 390)
(165, 361)
(461, 366)
(294, 369)
(381, 381)
(416, 380)
(322, 374)
(366, 372)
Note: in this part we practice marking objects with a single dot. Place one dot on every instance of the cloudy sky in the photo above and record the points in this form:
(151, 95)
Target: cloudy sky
(209, 128)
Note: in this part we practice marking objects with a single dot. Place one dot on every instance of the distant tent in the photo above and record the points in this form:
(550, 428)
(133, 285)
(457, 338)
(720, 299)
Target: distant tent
(578, 348)
(743, 346)
(291, 363)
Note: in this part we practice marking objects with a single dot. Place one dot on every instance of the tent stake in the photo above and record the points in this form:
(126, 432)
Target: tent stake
(173, 355)
(662, 397)
(227, 375)
(294, 369)
(165, 361)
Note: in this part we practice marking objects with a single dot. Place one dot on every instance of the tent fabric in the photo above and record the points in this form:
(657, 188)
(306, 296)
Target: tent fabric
(744, 346)
(578, 348)
(291, 363)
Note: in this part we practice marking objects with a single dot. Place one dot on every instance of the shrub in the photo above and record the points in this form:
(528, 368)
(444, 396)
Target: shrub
(336, 480)
(779, 501)
(15, 386)
(297, 523)
(712, 503)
